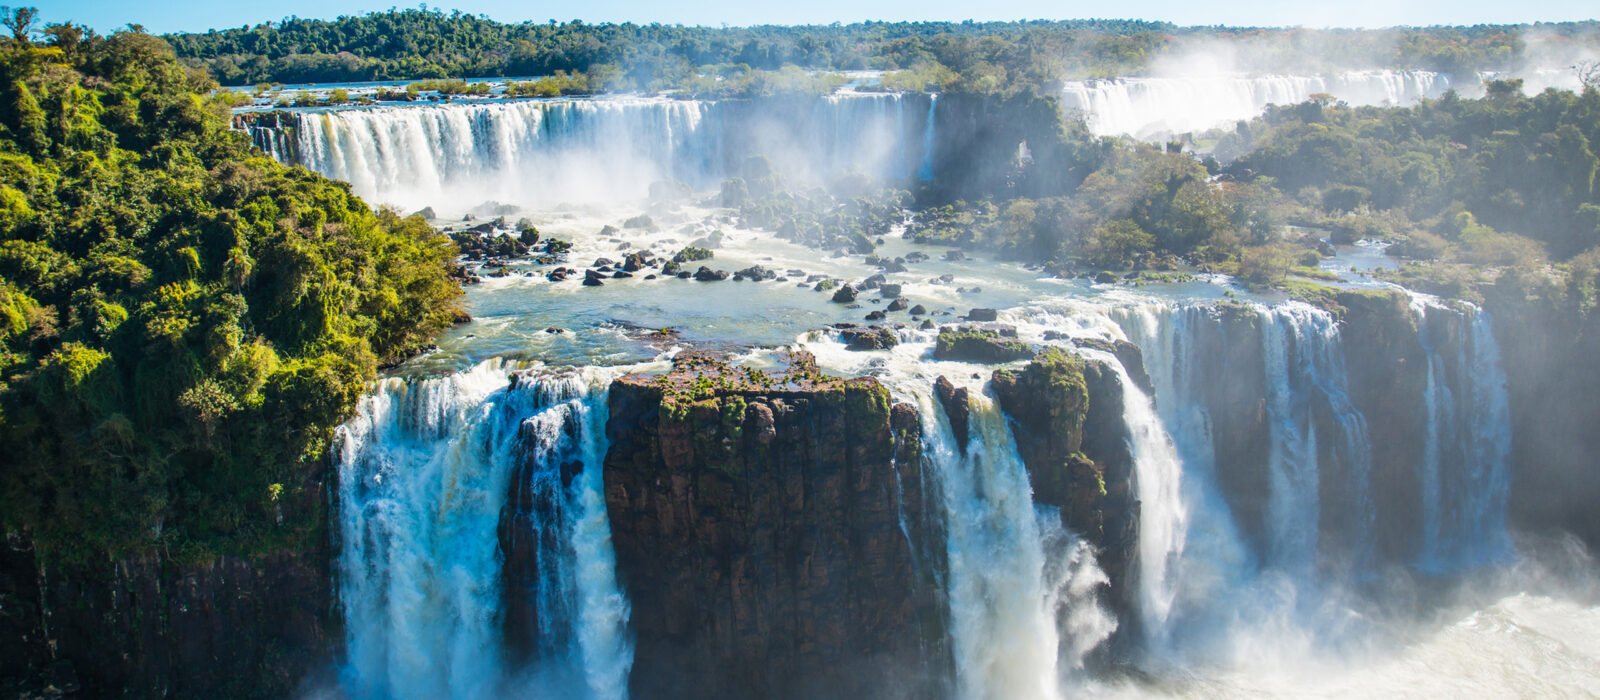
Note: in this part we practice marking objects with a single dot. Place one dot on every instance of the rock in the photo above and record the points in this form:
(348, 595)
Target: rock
(716, 499)
(684, 274)
(919, 310)
(1105, 278)
(928, 324)
(844, 295)
(974, 344)
(897, 305)
(983, 315)
(758, 273)
(956, 408)
(621, 275)
(1066, 415)
(603, 262)
(954, 255)
(1126, 353)
(871, 338)
(889, 291)
(706, 274)
(876, 316)
(635, 262)
(641, 221)
(593, 282)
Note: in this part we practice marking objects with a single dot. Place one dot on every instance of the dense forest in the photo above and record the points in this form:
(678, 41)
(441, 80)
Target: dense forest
(421, 43)
(182, 319)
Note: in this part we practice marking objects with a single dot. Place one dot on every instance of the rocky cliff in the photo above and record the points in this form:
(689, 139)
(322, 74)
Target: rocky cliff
(1066, 414)
(235, 627)
(773, 535)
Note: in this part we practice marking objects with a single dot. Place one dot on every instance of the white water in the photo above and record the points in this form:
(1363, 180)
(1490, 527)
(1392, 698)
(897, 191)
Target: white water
(1305, 365)
(1162, 106)
(425, 469)
(1466, 474)
(1003, 624)
(540, 153)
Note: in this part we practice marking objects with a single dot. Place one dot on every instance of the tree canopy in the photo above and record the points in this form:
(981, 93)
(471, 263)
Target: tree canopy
(182, 319)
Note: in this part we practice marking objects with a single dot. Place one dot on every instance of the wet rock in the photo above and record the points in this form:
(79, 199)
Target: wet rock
(844, 295)
(706, 274)
(1105, 278)
(889, 291)
(956, 408)
(621, 275)
(603, 262)
(758, 273)
(983, 315)
(974, 344)
(898, 304)
(876, 316)
(782, 505)
(919, 310)
(954, 255)
(870, 338)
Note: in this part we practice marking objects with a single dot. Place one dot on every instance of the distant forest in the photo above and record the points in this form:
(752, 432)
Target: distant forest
(414, 44)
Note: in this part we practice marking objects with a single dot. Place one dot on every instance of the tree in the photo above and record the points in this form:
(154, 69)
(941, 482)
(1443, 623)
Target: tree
(20, 21)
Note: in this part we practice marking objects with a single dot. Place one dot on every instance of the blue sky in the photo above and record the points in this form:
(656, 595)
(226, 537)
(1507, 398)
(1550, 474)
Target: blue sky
(186, 15)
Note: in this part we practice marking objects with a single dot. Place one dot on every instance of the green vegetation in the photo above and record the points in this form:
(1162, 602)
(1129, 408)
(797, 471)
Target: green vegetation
(983, 57)
(183, 321)
(975, 344)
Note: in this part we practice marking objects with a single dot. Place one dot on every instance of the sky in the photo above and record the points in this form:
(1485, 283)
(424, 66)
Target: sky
(199, 15)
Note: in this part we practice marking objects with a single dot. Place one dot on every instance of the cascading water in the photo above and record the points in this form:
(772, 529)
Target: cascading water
(1305, 366)
(1466, 476)
(544, 152)
(929, 142)
(1155, 107)
(1002, 616)
(1163, 516)
(425, 471)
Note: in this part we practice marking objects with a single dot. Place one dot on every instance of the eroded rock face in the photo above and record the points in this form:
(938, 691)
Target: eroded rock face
(1066, 415)
(234, 627)
(757, 526)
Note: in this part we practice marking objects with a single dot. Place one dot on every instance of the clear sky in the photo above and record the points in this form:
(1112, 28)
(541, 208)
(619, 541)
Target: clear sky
(188, 15)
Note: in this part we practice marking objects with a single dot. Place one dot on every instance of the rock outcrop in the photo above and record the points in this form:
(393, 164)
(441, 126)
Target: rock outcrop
(772, 535)
(1066, 414)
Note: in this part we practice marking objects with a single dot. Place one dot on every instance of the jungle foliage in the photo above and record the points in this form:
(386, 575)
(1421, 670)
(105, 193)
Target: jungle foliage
(183, 321)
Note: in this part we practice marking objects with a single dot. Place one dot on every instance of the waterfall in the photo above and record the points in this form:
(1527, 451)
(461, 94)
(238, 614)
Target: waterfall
(1305, 365)
(925, 169)
(455, 156)
(1003, 614)
(425, 469)
(1157, 107)
(1465, 470)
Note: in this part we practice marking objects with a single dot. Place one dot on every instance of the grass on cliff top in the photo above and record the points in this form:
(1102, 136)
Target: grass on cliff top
(697, 376)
